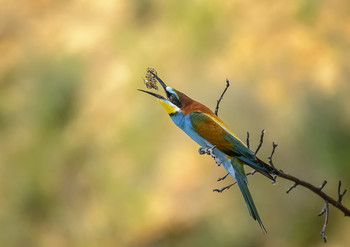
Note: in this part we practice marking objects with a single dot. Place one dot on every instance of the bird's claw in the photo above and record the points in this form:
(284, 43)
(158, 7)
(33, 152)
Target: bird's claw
(207, 150)
(210, 152)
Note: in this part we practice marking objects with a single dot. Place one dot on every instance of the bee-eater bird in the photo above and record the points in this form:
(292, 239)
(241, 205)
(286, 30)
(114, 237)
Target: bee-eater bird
(209, 131)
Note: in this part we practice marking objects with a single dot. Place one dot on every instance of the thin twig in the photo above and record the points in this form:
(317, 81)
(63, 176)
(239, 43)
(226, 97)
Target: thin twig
(261, 142)
(322, 185)
(252, 172)
(224, 188)
(248, 139)
(291, 187)
(222, 178)
(274, 146)
(222, 95)
(229, 186)
(325, 211)
(340, 195)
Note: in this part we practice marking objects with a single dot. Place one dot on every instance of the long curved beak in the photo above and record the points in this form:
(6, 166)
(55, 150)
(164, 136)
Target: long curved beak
(161, 83)
(153, 94)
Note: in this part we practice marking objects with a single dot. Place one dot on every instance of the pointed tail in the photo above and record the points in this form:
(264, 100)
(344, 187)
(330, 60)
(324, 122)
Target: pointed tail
(243, 185)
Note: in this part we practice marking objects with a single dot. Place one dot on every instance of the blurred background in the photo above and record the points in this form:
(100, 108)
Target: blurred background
(87, 160)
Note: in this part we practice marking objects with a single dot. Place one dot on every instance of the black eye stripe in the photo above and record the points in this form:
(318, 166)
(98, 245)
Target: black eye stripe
(173, 99)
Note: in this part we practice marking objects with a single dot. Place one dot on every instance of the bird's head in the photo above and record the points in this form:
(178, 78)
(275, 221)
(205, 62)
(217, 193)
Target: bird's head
(174, 100)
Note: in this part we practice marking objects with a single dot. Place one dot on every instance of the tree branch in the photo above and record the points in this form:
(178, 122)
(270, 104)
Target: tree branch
(316, 190)
(222, 95)
(313, 188)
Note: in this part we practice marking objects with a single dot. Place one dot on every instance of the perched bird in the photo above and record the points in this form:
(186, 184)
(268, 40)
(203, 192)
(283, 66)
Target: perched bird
(210, 132)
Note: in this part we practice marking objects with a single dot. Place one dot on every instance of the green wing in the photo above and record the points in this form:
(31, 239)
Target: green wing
(217, 134)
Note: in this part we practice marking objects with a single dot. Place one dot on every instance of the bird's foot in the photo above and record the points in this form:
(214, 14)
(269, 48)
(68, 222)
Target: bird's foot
(207, 150)
(210, 151)
(224, 188)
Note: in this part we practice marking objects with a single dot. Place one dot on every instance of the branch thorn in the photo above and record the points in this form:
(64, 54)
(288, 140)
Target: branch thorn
(340, 195)
(292, 187)
(322, 185)
(261, 141)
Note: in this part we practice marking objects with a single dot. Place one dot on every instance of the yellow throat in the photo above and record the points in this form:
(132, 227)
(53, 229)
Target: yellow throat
(169, 107)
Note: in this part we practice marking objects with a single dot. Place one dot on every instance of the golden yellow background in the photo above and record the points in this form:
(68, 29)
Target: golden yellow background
(87, 160)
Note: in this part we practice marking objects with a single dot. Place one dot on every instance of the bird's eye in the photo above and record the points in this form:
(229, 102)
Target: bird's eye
(172, 97)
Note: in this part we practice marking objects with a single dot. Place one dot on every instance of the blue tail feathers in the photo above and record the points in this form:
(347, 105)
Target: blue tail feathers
(241, 181)
(243, 186)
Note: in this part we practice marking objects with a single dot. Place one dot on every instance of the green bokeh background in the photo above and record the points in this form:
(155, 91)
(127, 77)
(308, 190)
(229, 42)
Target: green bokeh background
(86, 160)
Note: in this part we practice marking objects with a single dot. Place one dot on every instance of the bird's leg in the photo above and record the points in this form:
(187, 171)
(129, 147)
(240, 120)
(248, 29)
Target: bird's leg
(210, 152)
